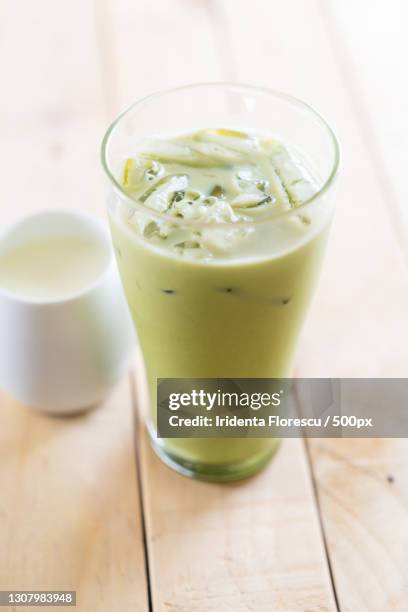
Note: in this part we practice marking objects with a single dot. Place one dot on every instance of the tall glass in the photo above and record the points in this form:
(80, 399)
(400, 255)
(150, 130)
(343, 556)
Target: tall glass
(235, 316)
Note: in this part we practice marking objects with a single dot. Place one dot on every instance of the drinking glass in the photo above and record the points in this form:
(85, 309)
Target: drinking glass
(237, 315)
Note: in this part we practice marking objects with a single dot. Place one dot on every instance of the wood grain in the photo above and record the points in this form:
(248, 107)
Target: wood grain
(70, 513)
(253, 545)
(371, 52)
(69, 504)
(52, 111)
(157, 45)
(358, 323)
(362, 487)
(70, 518)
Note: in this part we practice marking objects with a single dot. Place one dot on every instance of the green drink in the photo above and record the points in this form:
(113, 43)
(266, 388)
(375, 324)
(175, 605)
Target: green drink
(219, 257)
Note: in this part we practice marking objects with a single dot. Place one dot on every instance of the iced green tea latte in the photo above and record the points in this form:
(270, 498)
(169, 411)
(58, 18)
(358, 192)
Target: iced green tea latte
(219, 260)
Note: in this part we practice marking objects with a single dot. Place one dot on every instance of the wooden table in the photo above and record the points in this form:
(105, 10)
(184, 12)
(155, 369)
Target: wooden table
(84, 504)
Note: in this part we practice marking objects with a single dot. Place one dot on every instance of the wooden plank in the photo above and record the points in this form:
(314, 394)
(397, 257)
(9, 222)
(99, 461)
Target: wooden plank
(157, 45)
(52, 111)
(362, 488)
(251, 546)
(362, 483)
(358, 324)
(69, 505)
(70, 513)
(371, 49)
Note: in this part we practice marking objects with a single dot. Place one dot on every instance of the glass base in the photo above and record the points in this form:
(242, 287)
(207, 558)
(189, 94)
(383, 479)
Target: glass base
(212, 472)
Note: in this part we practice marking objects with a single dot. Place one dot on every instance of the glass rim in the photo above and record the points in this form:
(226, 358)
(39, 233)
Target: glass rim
(227, 85)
